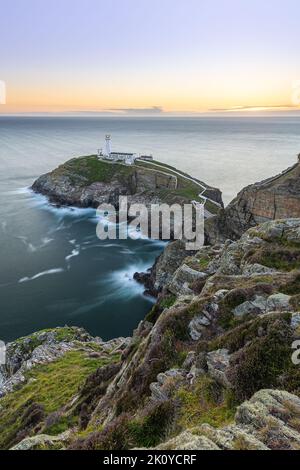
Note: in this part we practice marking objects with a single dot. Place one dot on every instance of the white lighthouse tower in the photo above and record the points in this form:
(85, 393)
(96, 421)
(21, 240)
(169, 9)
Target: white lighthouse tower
(108, 145)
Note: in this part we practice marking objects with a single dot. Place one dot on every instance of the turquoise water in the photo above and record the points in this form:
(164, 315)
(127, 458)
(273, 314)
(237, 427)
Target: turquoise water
(53, 269)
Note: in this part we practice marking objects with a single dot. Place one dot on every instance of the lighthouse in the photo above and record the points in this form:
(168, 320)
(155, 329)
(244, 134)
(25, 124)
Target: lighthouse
(107, 145)
(122, 157)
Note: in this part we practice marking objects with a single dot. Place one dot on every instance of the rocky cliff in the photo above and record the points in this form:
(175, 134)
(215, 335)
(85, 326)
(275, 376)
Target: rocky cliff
(210, 367)
(88, 182)
(275, 198)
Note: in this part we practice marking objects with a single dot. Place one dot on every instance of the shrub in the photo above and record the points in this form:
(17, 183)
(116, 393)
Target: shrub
(259, 364)
(115, 436)
(154, 425)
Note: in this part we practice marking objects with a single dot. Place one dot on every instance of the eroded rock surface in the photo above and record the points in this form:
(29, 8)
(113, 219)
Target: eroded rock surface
(275, 198)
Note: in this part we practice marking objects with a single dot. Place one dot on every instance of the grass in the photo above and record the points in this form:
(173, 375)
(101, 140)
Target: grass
(90, 170)
(206, 402)
(51, 385)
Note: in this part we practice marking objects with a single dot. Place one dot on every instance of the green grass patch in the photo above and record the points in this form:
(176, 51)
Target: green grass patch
(206, 402)
(51, 385)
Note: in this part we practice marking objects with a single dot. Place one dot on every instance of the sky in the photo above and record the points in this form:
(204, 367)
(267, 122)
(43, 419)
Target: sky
(149, 56)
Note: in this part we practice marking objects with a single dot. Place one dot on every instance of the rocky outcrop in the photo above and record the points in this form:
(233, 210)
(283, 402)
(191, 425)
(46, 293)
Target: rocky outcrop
(45, 347)
(44, 442)
(275, 198)
(89, 182)
(268, 421)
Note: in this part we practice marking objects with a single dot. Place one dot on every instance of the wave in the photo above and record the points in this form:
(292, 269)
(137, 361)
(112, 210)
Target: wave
(24, 190)
(41, 274)
(123, 286)
(74, 253)
(33, 248)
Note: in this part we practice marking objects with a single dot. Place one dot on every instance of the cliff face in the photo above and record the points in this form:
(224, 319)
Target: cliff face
(209, 368)
(274, 198)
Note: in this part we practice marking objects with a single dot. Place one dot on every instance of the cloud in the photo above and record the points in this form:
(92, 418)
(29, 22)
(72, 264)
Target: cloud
(152, 110)
(256, 108)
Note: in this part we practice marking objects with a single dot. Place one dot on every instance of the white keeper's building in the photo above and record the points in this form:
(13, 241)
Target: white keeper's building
(127, 158)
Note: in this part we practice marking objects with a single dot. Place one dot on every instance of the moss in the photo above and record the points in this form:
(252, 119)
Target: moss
(168, 301)
(51, 386)
(204, 262)
(62, 425)
(206, 402)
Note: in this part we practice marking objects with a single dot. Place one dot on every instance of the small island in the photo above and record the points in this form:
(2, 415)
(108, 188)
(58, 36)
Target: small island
(92, 180)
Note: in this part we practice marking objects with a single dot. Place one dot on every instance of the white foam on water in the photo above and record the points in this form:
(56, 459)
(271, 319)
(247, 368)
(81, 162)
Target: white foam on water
(33, 248)
(72, 255)
(41, 201)
(25, 190)
(123, 285)
(41, 274)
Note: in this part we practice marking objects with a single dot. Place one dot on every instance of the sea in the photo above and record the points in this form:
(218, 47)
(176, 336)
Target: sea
(54, 271)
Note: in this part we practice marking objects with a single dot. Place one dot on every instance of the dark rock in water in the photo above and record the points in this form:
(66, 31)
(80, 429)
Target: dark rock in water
(275, 198)
(164, 267)
(146, 280)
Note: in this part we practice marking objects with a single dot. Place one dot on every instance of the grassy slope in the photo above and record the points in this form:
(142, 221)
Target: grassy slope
(51, 386)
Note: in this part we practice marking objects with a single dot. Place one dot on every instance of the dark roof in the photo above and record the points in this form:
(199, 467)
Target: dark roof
(121, 153)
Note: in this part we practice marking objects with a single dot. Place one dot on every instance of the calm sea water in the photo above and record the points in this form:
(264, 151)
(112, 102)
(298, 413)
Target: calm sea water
(53, 269)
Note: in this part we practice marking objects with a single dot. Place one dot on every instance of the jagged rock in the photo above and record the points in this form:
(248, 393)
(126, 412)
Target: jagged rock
(167, 263)
(269, 414)
(194, 373)
(232, 437)
(230, 259)
(279, 302)
(256, 306)
(220, 294)
(218, 363)
(166, 382)
(267, 421)
(256, 268)
(188, 441)
(157, 392)
(295, 320)
(43, 442)
(183, 277)
(274, 198)
(197, 327)
(189, 360)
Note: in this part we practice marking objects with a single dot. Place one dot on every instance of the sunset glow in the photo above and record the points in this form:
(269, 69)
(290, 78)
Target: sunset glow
(179, 57)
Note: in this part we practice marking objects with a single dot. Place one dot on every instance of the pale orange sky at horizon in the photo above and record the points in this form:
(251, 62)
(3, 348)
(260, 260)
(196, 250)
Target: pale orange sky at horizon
(205, 97)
